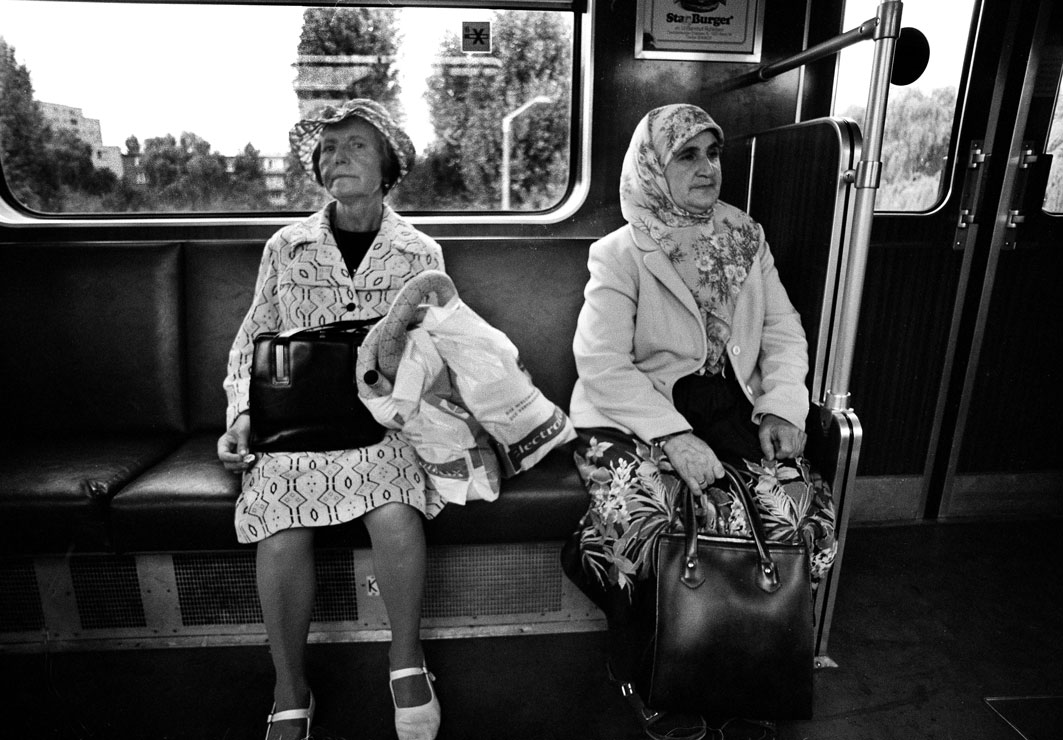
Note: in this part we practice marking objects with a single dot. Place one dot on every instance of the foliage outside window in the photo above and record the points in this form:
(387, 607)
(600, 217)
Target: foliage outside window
(919, 116)
(1054, 191)
(56, 161)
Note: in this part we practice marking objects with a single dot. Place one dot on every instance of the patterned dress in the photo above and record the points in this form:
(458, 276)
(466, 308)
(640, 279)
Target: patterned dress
(635, 497)
(303, 282)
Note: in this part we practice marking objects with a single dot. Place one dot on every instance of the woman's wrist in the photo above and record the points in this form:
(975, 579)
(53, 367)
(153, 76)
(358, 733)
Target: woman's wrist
(660, 441)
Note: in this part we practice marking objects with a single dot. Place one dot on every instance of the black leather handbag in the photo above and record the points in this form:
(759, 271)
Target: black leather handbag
(733, 625)
(303, 394)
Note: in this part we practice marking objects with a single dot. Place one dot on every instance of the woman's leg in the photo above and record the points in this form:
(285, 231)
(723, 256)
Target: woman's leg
(627, 637)
(400, 562)
(285, 575)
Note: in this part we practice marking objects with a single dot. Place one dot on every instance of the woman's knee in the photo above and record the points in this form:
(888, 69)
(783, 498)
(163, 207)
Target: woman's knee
(396, 521)
(288, 543)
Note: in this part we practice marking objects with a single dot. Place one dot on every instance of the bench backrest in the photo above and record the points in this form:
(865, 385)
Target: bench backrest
(793, 180)
(531, 290)
(92, 337)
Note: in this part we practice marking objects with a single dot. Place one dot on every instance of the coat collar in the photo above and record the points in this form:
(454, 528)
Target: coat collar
(396, 238)
(659, 266)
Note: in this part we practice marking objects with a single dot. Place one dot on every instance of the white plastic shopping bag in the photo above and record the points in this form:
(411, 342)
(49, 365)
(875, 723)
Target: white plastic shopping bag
(492, 384)
(454, 450)
(451, 445)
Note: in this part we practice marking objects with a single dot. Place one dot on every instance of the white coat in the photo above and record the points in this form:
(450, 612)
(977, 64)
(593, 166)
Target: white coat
(640, 331)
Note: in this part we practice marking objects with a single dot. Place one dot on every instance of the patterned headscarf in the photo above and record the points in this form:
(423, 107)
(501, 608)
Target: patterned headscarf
(305, 135)
(645, 199)
(713, 265)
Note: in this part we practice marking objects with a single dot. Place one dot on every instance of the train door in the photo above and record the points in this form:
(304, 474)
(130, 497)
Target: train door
(956, 378)
(1003, 400)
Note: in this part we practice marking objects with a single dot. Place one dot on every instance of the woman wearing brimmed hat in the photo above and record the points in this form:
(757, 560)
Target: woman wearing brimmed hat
(347, 261)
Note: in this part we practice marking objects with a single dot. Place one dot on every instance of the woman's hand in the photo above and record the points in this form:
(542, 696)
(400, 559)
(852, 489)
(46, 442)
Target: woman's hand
(233, 445)
(693, 460)
(779, 439)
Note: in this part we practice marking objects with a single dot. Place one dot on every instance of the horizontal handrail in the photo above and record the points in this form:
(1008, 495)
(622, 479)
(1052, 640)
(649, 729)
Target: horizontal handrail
(819, 51)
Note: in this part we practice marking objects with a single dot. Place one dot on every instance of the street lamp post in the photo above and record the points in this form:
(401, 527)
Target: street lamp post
(507, 125)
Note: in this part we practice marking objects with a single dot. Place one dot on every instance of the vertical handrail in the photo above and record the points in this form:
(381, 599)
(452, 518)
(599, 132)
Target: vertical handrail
(868, 175)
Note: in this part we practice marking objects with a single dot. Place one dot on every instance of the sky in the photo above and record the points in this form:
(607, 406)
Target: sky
(99, 71)
(943, 23)
(232, 85)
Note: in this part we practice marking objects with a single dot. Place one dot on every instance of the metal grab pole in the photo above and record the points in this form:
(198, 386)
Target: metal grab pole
(868, 174)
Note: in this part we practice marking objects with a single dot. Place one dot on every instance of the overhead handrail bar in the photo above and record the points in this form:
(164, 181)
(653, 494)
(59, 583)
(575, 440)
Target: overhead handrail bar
(819, 51)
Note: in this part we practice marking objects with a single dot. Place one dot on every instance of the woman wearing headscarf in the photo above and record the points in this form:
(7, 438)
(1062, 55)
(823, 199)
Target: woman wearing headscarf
(688, 352)
(347, 261)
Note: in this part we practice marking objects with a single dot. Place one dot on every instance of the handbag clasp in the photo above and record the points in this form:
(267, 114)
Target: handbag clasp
(692, 578)
(768, 577)
(281, 374)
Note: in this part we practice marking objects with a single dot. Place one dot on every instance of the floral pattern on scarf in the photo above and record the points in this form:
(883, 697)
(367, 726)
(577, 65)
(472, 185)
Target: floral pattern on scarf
(712, 259)
(635, 498)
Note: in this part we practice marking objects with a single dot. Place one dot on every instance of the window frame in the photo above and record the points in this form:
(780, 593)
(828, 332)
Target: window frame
(14, 215)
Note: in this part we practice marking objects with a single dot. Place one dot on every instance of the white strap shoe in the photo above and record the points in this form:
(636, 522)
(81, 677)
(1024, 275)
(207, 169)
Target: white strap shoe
(290, 715)
(420, 722)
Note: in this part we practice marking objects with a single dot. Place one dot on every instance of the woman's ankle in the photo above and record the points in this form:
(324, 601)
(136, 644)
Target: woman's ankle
(406, 656)
(295, 695)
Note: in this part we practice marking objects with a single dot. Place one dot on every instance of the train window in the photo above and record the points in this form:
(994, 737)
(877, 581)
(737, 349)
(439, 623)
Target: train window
(185, 108)
(1054, 191)
(919, 116)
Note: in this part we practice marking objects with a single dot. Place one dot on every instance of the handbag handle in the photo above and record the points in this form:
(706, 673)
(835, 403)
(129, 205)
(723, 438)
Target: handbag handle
(767, 576)
(343, 325)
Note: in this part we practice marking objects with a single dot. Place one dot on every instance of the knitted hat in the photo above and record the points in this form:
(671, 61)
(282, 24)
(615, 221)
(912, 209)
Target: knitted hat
(306, 134)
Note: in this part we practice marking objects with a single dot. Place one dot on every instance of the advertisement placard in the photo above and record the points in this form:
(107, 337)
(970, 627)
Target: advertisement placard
(706, 30)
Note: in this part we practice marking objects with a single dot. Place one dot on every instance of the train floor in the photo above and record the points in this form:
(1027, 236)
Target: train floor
(931, 621)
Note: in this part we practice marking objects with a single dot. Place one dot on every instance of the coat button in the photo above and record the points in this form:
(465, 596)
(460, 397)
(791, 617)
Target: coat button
(351, 306)
(736, 350)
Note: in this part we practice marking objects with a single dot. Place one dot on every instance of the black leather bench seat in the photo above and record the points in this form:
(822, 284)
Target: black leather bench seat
(55, 490)
(124, 346)
(186, 503)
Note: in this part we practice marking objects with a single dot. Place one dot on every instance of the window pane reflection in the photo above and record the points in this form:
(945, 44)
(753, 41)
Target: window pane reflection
(185, 108)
